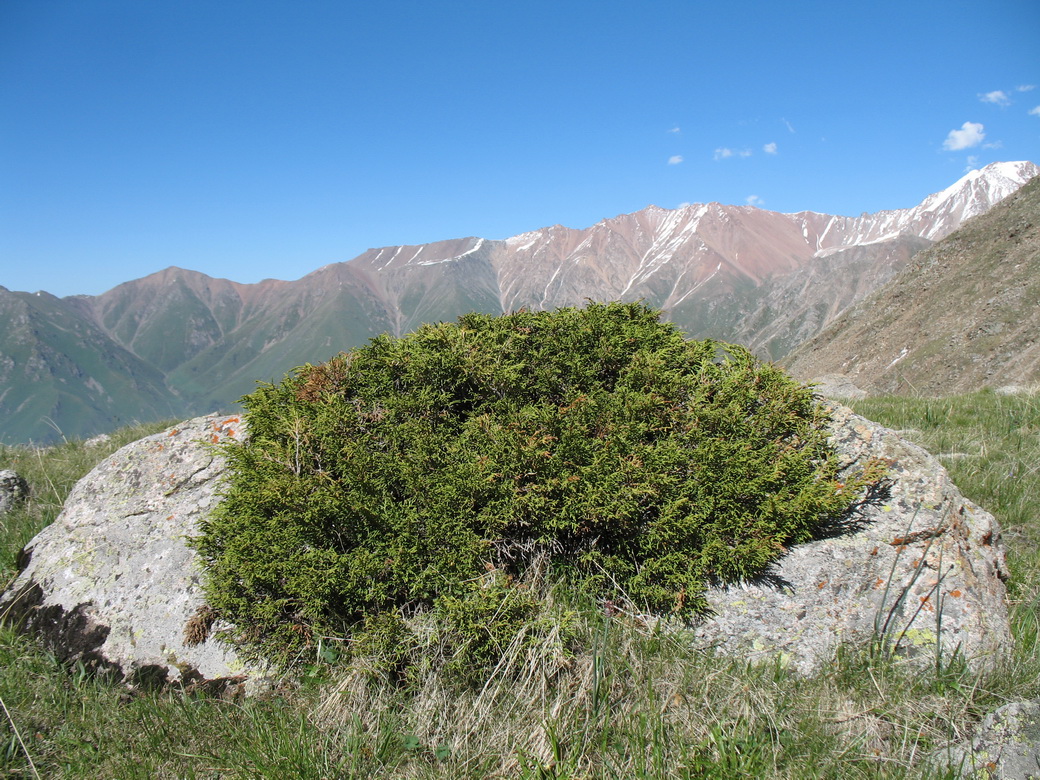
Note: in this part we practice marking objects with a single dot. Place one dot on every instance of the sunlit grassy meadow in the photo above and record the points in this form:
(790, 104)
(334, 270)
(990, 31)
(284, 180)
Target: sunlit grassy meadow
(624, 701)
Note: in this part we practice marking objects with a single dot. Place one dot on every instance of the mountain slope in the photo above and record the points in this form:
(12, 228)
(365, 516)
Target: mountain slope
(965, 313)
(62, 375)
(733, 272)
(288, 325)
(736, 273)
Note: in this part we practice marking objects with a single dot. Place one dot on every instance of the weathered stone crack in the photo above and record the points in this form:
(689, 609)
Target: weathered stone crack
(919, 536)
(176, 488)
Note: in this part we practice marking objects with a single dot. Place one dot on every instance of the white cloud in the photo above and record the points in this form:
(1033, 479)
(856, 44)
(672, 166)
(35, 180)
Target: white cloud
(998, 97)
(684, 204)
(970, 134)
(675, 159)
(1034, 111)
(675, 129)
(754, 200)
(790, 128)
(973, 163)
(1025, 88)
(722, 153)
(770, 148)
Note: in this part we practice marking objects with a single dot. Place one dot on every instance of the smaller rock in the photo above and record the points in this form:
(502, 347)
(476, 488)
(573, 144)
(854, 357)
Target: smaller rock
(13, 490)
(838, 387)
(97, 441)
(1007, 746)
(1017, 390)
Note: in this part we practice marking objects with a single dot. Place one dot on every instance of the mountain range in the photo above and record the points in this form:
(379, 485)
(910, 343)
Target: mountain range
(179, 342)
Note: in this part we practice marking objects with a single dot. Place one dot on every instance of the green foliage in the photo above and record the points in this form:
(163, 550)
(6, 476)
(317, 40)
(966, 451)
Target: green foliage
(428, 473)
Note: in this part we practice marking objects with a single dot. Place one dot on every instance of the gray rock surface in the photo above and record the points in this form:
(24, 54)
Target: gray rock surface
(838, 386)
(97, 441)
(13, 490)
(111, 581)
(922, 569)
(1016, 390)
(1006, 747)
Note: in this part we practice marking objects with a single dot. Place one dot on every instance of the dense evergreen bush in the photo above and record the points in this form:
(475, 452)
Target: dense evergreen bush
(427, 473)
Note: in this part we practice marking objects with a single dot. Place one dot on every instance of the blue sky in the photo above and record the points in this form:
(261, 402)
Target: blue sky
(260, 139)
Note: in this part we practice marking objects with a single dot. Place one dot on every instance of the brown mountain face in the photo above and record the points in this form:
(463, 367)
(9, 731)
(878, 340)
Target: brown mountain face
(734, 273)
(962, 315)
(737, 273)
(787, 309)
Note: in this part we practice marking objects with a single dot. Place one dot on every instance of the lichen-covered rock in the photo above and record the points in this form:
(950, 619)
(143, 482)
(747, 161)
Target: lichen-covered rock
(111, 581)
(1006, 747)
(920, 568)
(13, 490)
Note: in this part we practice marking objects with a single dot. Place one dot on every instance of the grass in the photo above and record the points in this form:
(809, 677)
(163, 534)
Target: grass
(624, 700)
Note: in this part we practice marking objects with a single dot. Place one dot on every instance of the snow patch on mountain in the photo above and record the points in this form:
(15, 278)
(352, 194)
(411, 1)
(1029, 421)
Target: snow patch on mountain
(480, 243)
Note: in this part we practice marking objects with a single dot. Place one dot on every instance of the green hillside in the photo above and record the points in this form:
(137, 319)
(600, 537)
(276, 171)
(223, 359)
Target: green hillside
(62, 376)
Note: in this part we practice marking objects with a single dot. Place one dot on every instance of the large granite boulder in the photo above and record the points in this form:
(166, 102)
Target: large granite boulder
(918, 568)
(112, 582)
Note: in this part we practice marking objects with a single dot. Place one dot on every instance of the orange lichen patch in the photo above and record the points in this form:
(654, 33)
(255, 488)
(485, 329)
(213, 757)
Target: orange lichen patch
(174, 432)
(874, 551)
(878, 583)
(223, 427)
(822, 585)
(956, 594)
(215, 438)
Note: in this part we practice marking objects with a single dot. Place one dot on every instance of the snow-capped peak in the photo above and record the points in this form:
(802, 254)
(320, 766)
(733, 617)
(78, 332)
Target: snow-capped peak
(998, 180)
